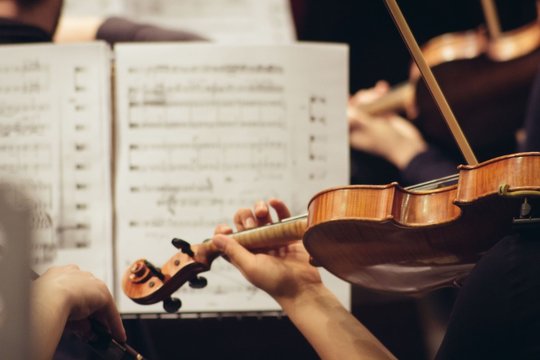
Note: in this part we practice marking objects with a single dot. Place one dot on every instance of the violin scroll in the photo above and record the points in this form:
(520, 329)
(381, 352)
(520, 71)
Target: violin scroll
(147, 284)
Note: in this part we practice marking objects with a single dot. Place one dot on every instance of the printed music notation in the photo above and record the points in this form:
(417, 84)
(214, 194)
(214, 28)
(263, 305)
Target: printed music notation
(27, 66)
(192, 147)
(28, 151)
(211, 156)
(52, 129)
(29, 87)
(231, 68)
(78, 167)
(20, 128)
(317, 109)
(318, 139)
(201, 138)
(15, 109)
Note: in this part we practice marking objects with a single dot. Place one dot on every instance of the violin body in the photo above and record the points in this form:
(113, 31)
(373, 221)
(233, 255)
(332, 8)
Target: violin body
(489, 98)
(390, 239)
(442, 49)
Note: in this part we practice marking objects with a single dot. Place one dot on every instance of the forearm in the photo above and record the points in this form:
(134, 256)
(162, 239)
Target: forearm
(49, 317)
(401, 156)
(333, 332)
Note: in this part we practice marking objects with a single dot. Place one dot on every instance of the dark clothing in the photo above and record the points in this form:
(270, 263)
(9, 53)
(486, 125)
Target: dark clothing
(532, 119)
(429, 165)
(14, 32)
(497, 311)
(115, 29)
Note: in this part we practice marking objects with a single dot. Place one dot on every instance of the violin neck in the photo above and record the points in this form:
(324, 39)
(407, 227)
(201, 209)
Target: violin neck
(397, 99)
(273, 235)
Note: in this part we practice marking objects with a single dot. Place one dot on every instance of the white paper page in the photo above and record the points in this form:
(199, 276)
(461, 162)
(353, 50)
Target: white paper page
(55, 116)
(205, 130)
(230, 21)
(93, 8)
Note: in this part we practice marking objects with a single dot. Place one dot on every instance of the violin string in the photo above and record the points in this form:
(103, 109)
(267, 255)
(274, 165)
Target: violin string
(435, 183)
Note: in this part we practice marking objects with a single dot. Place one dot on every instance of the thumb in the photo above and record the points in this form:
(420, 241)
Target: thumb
(235, 253)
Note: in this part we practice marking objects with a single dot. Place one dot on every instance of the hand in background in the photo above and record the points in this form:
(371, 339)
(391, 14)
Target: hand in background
(388, 135)
(66, 296)
(286, 274)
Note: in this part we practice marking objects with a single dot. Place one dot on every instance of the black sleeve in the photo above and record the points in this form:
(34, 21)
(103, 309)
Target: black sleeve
(429, 165)
(115, 29)
(497, 312)
(532, 119)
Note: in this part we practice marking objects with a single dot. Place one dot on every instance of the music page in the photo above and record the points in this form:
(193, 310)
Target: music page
(206, 129)
(228, 21)
(55, 143)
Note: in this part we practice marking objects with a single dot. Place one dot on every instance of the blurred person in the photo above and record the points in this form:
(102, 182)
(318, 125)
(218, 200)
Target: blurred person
(31, 21)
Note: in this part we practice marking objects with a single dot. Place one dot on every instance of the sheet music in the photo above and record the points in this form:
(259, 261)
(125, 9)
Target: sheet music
(206, 129)
(94, 8)
(29, 141)
(230, 21)
(54, 125)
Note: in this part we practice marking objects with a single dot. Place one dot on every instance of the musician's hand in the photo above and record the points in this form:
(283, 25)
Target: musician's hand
(284, 272)
(388, 135)
(68, 296)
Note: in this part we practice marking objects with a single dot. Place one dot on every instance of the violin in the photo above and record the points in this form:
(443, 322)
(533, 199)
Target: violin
(486, 79)
(384, 237)
(411, 241)
(492, 88)
(466, 45)
(439, 50)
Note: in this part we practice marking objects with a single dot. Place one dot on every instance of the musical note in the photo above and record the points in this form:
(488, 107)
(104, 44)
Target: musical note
(317, 105)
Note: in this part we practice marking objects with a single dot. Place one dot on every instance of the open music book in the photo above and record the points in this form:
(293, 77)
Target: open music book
(194, 132)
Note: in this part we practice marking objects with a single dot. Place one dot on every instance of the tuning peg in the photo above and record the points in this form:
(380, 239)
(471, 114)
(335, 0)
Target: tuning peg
(183, 246)
(198, 282)
(154, 270)
(171, 305)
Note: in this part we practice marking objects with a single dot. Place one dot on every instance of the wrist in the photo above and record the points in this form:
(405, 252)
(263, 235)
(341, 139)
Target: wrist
(404, 155)
(49, 314)
(309, 295)
(51, 300)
